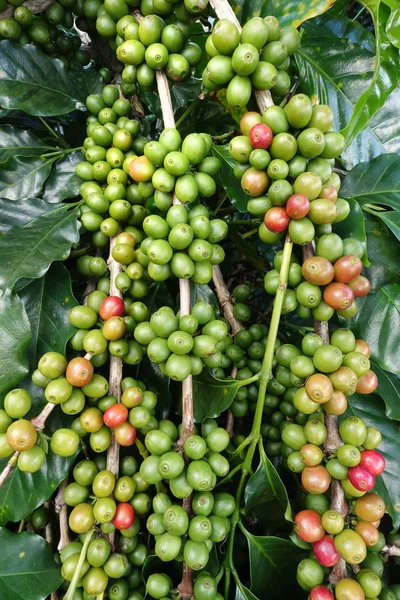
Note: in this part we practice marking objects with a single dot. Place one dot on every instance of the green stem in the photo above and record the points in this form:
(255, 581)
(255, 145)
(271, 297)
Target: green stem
(221, 202)
(231, 474)
(249, 233)
(21, 525)
(298, 327)
(61, 152)
(187, 112)
(265, 376)
(58, 137)
(72, 586)
(238, 222)
(227, 582)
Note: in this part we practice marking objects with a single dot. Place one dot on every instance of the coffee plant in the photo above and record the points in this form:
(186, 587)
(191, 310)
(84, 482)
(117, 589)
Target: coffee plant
(199, 292)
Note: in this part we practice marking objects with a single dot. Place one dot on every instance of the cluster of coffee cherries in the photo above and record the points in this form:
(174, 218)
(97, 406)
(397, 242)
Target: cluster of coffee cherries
(148, 45)
(18, 434)
(105, 567)
(47, 29)
(284, 161)
(174, 532)
(336, 266)
(255, 59)
(171, 165)
(184, 345)
(183, 244)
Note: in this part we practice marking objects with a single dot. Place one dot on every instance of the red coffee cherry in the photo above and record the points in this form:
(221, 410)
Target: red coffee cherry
(260, 136)
(361, 478)
(112, 306)
(325, 551)
(373, 461)
(308, 526)
(338, 296)
(297, 206)
(276, 219)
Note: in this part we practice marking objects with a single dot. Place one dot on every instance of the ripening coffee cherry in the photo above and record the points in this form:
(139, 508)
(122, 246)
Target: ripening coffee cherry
(276, 219)
(260, 136)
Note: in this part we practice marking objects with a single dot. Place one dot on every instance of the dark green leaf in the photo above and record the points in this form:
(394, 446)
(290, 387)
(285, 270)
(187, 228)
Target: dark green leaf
(273, 565)
(27, 567)
(378, 323)
(230, 183)
(182, 94)
(375, 182)
(341, 27)
(48, 301)
(22, 213)
(289, 12)
(33, 488)
(15, 337)
(36, 83)
(212, 396)
(384, 78)
(242, 593)
(391, 219)
(354, 226)
(158, 383)
(209, 116)
(87, 80)
(392, 25)
(63, 182)
(265, 489)
(383, 249)
(325, 75)
(246, 248)
(371, 409)
(23, 176)
(45, 240)
(19, 142)
(202, 293)
(389, 390)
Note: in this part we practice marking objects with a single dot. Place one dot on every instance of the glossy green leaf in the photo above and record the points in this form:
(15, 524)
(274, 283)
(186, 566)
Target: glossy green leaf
(156, 382)
(22, 213)
(242, 593)
(63, 182)
(383, 252)
(202, 293)
(20, 142)
(393, 23)
(391, 219)
(378, 323)
(36, 83)
(289, 12)
(27, 567)
(47, 302)
(45, 240)
(15, 337)
(182, 94)
(371, 409)
(212, 396)
(323, 60)
(87, 80)
(230, 183)
(384, 78)
(23, 176)
(375, 182)
(265, 490)
(389, 390)
(354, 226)
(342, 27)
(273, 565)
(208, 116)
